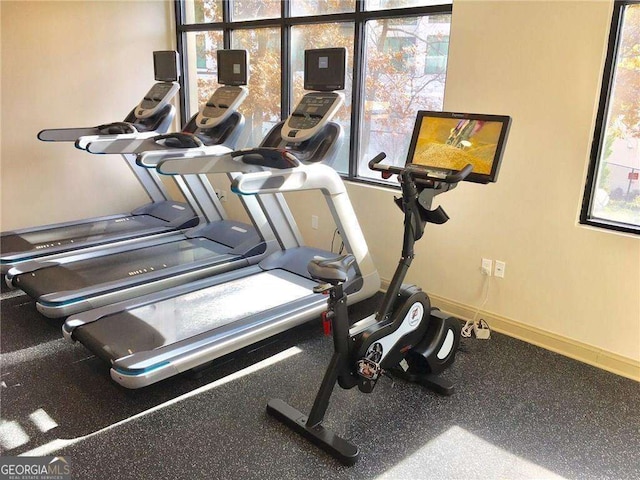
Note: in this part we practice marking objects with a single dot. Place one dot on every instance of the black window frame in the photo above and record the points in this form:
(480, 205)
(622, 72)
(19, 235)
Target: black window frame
(598, 142)
(359, 17)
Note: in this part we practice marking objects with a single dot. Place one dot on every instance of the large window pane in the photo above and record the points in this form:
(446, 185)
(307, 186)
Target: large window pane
(202, 66)
(616, 193)
(325, 36)
(262, 107)
(202, 11)
(302, 8)
(389, 4)
(256, 9)
(405, 72)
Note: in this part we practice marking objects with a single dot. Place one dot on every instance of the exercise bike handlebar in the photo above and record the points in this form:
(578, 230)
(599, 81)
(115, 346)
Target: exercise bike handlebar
(417, 171)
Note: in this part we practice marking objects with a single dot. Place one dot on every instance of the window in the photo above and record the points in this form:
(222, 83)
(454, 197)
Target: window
(325, 35)
(256, 9)
(397, 85)
(202, 11)
(321, 7)
(612, 194)
(437, 50)
(262, 107)
(200, 53)
(397, 51)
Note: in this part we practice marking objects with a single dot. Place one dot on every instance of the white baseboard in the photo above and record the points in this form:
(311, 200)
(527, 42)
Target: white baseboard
(597, 357)
(568, 347)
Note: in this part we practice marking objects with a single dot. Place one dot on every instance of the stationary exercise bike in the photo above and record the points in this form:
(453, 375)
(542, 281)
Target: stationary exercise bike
(406, 337)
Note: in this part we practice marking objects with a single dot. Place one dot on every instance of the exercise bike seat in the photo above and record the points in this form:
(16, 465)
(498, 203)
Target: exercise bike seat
(331, 270)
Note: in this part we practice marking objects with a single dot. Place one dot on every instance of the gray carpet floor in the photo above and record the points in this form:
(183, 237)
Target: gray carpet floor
(519, 412)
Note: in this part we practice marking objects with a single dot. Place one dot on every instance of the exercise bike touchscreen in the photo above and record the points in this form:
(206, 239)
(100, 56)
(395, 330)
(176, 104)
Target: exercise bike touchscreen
(445, 143)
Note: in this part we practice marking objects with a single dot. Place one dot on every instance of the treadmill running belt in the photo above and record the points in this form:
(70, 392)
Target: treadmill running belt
(90, 231)
(169, 321)
(119, 266)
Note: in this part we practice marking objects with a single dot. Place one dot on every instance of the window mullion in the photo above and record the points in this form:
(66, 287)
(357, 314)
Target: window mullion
(357, 96)
(184, 77)
(285, 62)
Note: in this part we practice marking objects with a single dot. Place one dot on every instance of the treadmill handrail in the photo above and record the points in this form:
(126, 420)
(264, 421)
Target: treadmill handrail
(153, 157)
(241, 161)
(134, 143)
(86, 141)
(317, 176)
(213, 162)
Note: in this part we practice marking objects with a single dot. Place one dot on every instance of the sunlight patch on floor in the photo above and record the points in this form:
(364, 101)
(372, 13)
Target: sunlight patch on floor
(459, 454)
(30, 354)
(55, 445)
(42, 420)
(12, 435)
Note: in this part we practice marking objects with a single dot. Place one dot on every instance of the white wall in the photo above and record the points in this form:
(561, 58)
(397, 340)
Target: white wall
(541, 62)
(72, 64)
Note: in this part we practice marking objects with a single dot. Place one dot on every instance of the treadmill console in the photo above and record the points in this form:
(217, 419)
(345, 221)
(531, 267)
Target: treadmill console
(166, 66)
(224, 101)
(233, 72)
(312, 113)
(166, 70)
(324, 72)
(325, 69)
(155, 99)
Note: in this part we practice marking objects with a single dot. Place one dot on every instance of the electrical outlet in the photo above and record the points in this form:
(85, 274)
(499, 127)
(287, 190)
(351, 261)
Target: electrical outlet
(500, 268)
(487, 266)
(314, 222)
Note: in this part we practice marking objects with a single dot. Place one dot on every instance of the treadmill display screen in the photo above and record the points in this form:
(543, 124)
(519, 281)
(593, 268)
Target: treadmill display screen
(325, 69)
(446, 142)
(232, 67)
(165, 66)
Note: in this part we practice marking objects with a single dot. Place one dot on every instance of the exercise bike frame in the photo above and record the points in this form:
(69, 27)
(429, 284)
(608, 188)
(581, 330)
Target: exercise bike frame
(404, 318)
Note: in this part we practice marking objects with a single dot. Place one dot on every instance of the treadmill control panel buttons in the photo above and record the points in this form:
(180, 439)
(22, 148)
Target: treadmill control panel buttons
(311, 110)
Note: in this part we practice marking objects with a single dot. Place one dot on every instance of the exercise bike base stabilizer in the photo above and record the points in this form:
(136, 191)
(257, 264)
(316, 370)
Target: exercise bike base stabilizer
(406, 337)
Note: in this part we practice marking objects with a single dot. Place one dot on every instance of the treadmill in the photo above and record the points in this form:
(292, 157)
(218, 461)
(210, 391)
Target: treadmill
(154, 114)
(78, 283)
(163, 334)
